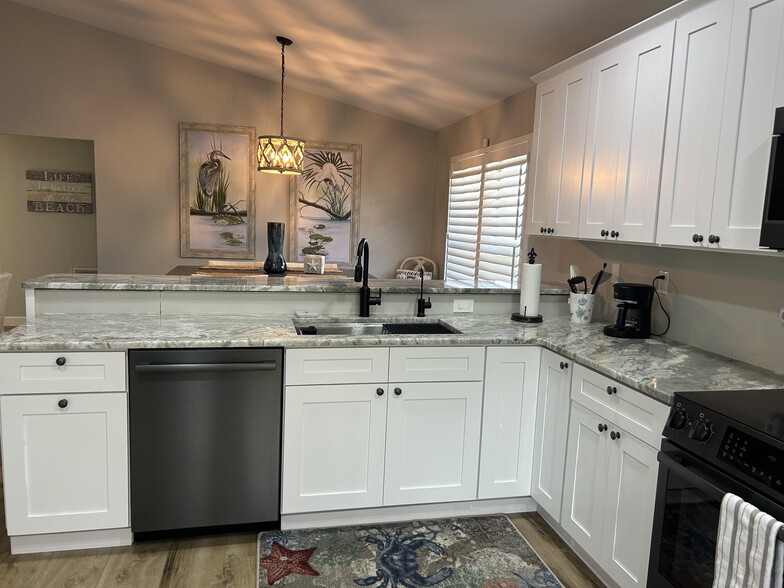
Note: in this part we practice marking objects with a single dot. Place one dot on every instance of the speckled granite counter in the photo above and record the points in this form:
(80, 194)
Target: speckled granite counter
(657, 367)
(291, 283)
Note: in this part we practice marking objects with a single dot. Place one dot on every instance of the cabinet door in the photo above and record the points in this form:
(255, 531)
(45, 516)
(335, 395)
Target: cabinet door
(508, 421)
(631, 489)
(545, 155)
(65, 467)
(582, 515)
(333, 447)
(565, 207)
(559, 148)
(645, 94)
(755, 87)
(699, 68)
(432, 452)
(552, 425)
(606, 125)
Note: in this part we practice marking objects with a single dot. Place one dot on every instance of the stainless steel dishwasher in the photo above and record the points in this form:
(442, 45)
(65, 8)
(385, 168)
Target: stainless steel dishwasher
(205, 437)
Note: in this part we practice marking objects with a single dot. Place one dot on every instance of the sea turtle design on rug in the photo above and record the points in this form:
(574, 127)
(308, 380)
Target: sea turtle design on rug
(396, 560)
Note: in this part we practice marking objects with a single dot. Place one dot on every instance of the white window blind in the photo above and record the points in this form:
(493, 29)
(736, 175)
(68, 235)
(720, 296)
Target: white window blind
(486, 208)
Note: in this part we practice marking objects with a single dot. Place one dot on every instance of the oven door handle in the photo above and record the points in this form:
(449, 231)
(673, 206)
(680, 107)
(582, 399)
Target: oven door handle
(702, 479)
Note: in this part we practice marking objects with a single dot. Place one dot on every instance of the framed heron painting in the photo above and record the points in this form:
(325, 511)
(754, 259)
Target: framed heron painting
(324, 203)
(217, 189)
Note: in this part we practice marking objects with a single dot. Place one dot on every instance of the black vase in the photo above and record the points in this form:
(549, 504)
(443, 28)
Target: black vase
(275, 264)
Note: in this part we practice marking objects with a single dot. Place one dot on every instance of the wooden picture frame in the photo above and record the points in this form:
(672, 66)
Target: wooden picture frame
(324, 203)
(217, 191)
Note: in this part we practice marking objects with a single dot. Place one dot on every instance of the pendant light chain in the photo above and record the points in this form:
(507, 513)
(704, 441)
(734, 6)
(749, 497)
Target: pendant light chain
(282, 79)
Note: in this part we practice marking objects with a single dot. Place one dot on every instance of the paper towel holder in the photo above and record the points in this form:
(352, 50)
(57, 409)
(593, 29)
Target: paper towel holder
(525, 317)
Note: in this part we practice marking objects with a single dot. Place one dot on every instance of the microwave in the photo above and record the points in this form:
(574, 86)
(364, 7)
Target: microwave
(772, 231)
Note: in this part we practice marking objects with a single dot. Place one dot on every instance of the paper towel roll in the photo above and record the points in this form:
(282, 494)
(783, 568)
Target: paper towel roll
(529, 289)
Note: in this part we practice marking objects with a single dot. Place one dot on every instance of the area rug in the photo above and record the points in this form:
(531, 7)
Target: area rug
(480, 552)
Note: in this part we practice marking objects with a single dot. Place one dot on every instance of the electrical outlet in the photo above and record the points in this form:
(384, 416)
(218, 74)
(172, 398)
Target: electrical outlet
(463, 305)
(663, 286)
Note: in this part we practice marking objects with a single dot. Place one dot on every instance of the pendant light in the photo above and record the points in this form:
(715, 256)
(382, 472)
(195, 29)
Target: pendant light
(278, 153)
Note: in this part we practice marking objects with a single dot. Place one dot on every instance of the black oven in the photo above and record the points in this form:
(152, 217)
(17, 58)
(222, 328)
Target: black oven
(705, 455)
(772, 230)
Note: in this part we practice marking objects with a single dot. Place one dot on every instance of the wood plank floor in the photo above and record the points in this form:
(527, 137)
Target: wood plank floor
(219, 560)
(223, 560)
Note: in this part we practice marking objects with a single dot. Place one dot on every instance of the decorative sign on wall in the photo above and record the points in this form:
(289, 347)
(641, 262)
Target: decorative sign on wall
(57, 191)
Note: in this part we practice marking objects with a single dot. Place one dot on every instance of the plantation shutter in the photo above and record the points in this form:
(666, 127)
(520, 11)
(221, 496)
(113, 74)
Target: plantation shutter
(485, 217)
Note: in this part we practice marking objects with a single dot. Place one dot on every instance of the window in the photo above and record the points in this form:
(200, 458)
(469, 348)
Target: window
(485, 223)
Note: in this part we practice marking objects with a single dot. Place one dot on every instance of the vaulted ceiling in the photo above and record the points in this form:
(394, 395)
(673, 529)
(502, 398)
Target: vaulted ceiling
(427, 62)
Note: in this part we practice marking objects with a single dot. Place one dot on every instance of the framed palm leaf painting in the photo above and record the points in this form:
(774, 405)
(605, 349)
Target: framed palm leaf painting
(217, 191)
(325, 203)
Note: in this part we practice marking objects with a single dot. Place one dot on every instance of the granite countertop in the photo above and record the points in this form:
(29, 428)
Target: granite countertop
(657, 367)
(264, 283)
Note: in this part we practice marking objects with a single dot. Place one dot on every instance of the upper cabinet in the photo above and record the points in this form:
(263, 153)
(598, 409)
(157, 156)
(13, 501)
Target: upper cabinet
(559, 148)
(755, 87)
(626, 118)
(693, 124)
(671, 128)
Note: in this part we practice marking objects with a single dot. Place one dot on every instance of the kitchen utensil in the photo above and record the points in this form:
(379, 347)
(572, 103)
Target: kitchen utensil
(597, 278)
(575, 281)
(574, 271)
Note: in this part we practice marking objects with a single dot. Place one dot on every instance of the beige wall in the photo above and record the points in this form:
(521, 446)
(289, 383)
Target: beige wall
(64, 79)
(35, 243)
(508, 119)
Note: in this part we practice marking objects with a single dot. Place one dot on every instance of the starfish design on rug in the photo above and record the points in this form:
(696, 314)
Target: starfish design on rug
(281, 562)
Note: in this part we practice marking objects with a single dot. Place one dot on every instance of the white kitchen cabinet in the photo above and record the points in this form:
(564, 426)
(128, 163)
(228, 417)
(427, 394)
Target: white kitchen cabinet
(432, 447)
(609, 495)
(557, 157)
(630, 496)
(375, 442)
(626, 118)
(552, 425)
(611, 473)
(333, 442)
(508, 421)
(691, 146)
(586, 480)
(754, 88)
(65, 462)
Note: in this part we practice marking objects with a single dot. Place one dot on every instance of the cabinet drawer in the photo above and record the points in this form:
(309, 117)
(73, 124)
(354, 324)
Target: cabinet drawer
(37, 373)
(350, 365)
(436, 364)
(640, 415)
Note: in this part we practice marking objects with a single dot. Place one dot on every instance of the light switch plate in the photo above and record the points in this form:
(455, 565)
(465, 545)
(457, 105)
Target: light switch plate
(463, 305)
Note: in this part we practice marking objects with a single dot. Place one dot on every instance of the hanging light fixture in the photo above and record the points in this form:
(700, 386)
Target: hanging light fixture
(278, 153)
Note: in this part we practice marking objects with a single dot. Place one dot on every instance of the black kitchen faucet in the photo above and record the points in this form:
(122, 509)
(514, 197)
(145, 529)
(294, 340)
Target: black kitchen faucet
(366, 299)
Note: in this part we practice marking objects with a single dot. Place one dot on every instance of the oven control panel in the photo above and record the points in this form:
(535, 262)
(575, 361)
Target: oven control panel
(753, 457)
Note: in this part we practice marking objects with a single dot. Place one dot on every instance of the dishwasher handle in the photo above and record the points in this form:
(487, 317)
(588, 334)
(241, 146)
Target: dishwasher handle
(164, 368)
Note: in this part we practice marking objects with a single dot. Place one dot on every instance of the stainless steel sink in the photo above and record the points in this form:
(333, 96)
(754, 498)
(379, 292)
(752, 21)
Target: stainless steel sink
(354, 329)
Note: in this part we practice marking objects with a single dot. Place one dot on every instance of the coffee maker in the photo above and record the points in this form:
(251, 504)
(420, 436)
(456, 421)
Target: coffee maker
(634, 311)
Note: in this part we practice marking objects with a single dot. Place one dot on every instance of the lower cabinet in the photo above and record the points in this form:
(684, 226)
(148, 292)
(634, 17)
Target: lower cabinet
(508, 417)
(552, 425)
(414, 440)
(608, 495)
(65, 462)
(334, 438)
(432, 445)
